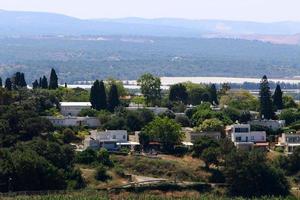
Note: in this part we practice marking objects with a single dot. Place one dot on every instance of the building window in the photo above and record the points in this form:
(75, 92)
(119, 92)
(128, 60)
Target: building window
(124, 137)
(241, 130)
(252, 138)
(238, 139)
(114, 137)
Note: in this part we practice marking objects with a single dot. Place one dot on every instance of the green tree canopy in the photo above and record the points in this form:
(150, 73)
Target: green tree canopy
(178, 92)
(277, 98)
(150, 88)
(249, 174)
(163, 130)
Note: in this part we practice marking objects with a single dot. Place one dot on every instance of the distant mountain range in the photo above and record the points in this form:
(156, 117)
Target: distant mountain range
(16, 23)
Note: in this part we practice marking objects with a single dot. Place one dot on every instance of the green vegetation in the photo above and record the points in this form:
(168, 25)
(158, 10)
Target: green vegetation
(38, 156)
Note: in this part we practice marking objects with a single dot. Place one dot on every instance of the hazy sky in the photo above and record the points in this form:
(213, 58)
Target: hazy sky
(253, 10)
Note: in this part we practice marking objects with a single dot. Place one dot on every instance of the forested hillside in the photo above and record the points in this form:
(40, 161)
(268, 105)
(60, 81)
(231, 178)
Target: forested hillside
(89, 58)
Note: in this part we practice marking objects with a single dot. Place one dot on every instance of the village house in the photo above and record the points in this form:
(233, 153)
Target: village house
(112, 140)
(274, 125)
(191, 136)
(65, 121)
(156, 110)
(243, 138)
(289, 142)
(73, 108)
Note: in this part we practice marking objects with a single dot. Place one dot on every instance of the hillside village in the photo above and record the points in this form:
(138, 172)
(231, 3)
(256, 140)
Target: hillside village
(192, 137)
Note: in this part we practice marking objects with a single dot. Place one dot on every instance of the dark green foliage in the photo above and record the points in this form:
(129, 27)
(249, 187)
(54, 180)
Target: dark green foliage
(68, 135)
(44, 83)
(245, 116)
(29, 171)
(266, 104)
(87, 156)
(150, 88)
(35, 84)
(248, 174)
(53, 82)
(113, 98)
(182, 120)
(210, 156)
(178, 92)
(203, 143)
(277, 98)
(98, 96)
(104, 158)
(1, 84)
(213, 94)
(101, 173)
(18, 80)
(163, 130)
(290, 116)
(168, 113)
(88, 112)
(8, 84)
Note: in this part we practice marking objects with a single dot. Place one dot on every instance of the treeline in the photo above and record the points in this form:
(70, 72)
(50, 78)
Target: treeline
(18, 81)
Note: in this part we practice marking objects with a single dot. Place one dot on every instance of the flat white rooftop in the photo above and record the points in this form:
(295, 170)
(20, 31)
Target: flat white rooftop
(65, 104)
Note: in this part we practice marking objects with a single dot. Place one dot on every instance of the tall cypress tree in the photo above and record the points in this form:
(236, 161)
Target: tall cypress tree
(93, 95)
(8, 84)
(22, 80)
(277, 98)
(1, 84)
(213, 94)
(266, 105)
(53, 82)
(98, 96)
(40, 82)
(44, 82)
(102, 94)
(35, 84)
(113, 98)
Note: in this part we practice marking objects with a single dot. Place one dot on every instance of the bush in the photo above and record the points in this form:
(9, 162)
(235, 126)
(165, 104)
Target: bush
(86, 157)
(120, 172)
(180, 150)
(182, 120)
(216, 177)
(104, 158)
(101, 173)
(279, 149)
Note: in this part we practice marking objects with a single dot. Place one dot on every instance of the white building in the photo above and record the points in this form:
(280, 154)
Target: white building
(73, 108)
(271, 124)
(289, 142)
(243, 137)
(108, 139)
(74, 121)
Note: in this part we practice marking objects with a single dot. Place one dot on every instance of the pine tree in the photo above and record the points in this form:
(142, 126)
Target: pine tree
(53, 82)
(213, 94)
(44, 83)
(98, 96)
(8, 84)
(1, 84)
(113, 98)
(35, 84)
(66, 85)
(266, 105)
(277, 98)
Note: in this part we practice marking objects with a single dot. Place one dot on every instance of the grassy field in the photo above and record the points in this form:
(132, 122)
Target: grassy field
(165, 166)
(153, 195)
